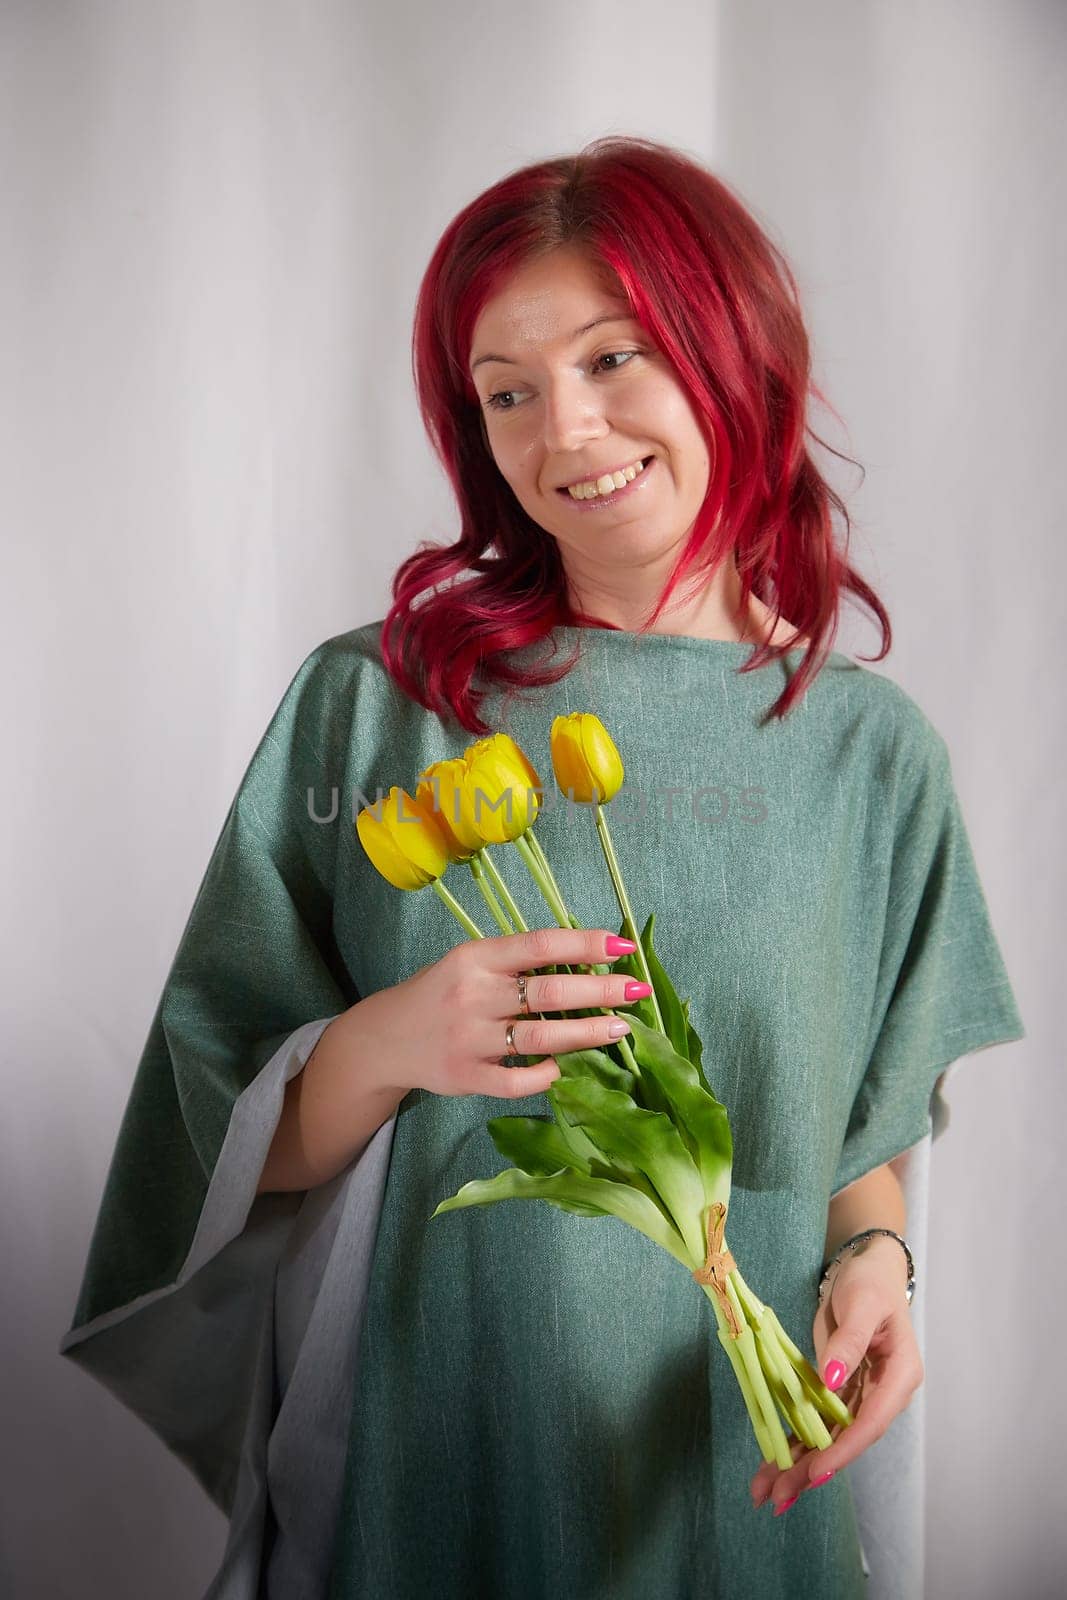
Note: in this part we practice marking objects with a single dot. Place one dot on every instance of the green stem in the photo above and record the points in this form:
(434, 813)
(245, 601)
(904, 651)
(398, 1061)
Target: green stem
(486, 860)
(465, 922)
(495, 908)
(543, 862)
(798, 1410)
(746, 1344)
(807, 1400)
(544, 881)
(826, 1402)
(759, 1427)
(629, 925)
(628, 1057)
(601, 969)
(537, 863)
(729, 1344)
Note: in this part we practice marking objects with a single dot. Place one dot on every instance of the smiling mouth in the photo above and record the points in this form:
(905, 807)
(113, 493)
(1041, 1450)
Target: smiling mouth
(605, 494)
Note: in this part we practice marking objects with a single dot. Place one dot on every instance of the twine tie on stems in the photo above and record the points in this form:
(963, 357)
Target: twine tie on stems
(718, 1264)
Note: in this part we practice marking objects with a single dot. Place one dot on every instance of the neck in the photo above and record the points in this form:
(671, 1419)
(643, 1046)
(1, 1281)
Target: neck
(714, 612)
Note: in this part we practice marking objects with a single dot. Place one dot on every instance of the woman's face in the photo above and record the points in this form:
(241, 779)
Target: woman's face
(564, 406)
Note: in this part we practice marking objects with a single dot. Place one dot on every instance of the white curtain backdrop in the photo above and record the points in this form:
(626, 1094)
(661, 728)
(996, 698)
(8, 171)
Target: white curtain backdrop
(215, 216)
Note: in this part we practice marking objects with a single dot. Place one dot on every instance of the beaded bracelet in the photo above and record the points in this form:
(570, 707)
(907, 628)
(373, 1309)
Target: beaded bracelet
(857, 1242)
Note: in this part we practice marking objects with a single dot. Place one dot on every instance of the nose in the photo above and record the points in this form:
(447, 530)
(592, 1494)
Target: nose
(573, 414)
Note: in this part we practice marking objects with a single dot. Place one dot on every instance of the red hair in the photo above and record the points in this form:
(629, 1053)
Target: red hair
(719, 300)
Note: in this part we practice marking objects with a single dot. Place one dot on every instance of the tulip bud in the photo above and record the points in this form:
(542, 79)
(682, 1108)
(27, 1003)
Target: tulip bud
(515, 752)
(442, 789)
(584, 758)
(501, 786)
(405, 843)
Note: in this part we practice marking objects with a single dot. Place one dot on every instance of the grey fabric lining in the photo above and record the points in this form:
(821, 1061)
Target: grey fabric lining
(321, 1293)
(888, 1480)
(273, 1288)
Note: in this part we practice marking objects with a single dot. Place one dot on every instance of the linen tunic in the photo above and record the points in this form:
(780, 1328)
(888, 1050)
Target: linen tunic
(534, 1403)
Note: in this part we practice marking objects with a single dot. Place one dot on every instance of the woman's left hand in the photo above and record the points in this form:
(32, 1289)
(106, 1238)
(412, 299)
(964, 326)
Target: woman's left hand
(865, 1324)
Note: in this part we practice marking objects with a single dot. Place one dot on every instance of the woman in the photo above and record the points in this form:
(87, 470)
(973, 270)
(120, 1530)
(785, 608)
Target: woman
(513, 1401)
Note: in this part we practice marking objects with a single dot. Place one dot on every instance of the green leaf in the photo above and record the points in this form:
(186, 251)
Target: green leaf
(700, 1120)
(596, 1064)
(630, 967)
(583, 1197)
(669, 1004)
(589, 1158)
(691, 1045)
(533, 1143)
(584, 1154)
(695, 1047)
(647, 1139)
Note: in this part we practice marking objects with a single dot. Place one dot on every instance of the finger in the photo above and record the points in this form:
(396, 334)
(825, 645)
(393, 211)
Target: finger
(789, 1487)
(515, 1083)
(770, 1482)
(782, 1488)
(545, 947)
(860, 1308)
(887, 1389)
(560, 992)
(535, 1037)
(810, 1470)
(767, 1481)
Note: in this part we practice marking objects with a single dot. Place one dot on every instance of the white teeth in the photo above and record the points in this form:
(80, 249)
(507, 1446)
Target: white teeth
(605, 485)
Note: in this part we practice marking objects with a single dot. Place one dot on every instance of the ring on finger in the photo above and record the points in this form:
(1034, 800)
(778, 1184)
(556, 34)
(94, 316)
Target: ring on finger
(524, 1004)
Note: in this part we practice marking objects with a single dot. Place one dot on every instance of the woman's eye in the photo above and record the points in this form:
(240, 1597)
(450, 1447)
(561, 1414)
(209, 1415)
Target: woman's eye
(498, 401)
(616, 355)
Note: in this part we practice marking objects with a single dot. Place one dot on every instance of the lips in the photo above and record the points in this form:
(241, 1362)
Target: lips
(604, 472)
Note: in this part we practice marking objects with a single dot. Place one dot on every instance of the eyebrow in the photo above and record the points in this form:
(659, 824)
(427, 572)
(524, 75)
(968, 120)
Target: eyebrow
(609, 316)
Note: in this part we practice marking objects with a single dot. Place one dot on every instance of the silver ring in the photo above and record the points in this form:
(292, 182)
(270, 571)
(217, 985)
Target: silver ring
(509, 1041)
(524, 1005)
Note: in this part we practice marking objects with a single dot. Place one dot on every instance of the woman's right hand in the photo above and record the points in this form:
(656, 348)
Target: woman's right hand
(444, 1028)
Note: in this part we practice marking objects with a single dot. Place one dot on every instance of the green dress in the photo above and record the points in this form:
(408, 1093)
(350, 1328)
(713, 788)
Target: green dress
(539, 1406)
(542, 1408)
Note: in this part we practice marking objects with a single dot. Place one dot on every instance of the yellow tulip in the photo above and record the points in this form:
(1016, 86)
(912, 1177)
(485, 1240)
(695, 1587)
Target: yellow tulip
(502, 786)
(404, 843)
(516, 753)
(442, 789)
(584, 758)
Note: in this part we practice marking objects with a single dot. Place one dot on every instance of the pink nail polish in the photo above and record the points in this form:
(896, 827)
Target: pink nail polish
(785, 1505)
(637, 991)
(834, 1376)
(824, 1477)
(614, 946)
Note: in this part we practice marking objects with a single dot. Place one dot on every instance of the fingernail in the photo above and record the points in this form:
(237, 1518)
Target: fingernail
(824, 1477)
(618, 947)
(616, 1030)
(637, 991)
(785, 1505)
(834, 1375)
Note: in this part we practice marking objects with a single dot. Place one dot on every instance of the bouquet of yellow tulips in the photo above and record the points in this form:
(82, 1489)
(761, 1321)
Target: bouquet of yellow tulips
(636, 1131)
